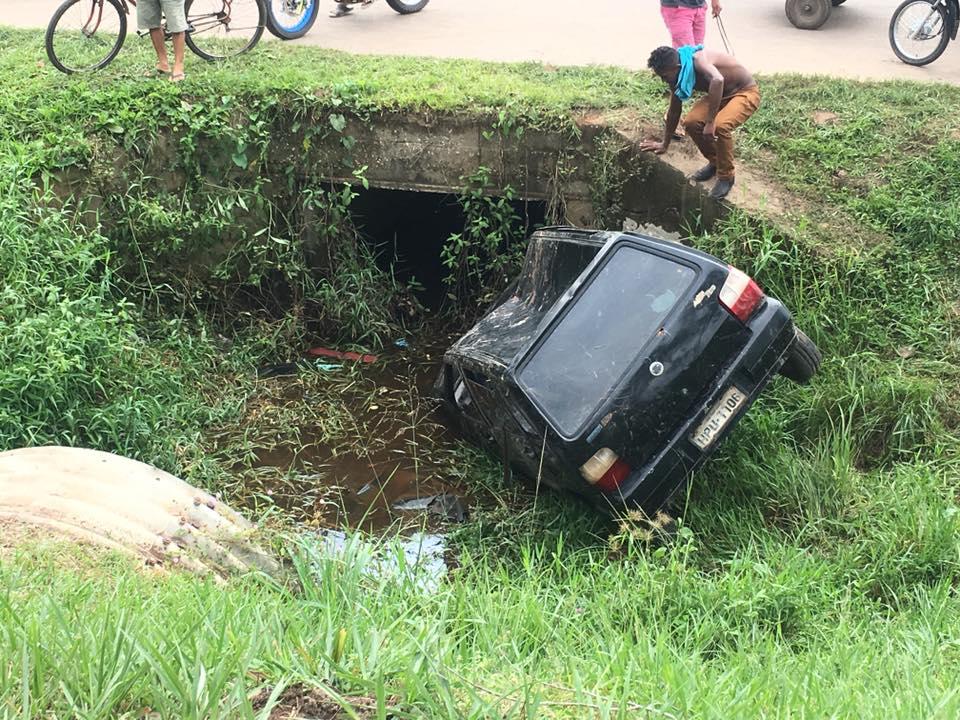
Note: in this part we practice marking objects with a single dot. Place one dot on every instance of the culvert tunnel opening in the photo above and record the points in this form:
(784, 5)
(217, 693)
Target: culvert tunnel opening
(408, 230)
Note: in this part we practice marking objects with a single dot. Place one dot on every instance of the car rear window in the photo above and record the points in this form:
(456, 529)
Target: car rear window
(601, 334)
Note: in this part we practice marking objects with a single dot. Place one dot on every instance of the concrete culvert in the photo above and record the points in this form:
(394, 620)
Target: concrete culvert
(101, 499)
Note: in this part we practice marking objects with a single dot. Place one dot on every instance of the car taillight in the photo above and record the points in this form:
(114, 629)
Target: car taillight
(605, 470)
(740, 294)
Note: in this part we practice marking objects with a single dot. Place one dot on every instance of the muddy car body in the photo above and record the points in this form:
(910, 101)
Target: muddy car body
(616, 363)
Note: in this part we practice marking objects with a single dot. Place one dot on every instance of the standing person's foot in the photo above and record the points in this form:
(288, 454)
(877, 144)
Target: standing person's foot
(340, 10)
(704, 173)
(722, 188)
(178, 76)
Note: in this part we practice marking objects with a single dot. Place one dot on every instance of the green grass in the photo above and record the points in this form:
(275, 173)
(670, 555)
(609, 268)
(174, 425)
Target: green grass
(814, 573)
(561, 632)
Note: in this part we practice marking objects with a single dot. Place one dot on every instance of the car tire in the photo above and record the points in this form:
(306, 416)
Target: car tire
(803, 359)
(808, 14)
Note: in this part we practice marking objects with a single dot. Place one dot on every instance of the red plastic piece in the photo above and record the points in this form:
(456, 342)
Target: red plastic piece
(340, 355)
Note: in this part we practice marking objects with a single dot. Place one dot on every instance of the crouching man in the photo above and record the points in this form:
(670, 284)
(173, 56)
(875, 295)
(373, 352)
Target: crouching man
(732, 96)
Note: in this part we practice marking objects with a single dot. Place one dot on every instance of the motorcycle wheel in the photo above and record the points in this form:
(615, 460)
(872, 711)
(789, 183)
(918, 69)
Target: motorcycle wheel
(291, 19)
(406, 7)
(919, 31)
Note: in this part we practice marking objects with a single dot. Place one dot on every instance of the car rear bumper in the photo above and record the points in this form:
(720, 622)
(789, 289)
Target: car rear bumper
(651, 486)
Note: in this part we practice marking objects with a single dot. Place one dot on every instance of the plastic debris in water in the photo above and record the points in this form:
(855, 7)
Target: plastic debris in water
(341, 355)
(447, 505)
(327, 367)
(290, 369)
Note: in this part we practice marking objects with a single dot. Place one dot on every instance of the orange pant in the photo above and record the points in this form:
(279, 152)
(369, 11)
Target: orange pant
(734, 111)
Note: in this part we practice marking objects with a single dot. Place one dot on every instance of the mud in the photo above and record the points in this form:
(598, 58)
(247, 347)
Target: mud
(299, 702)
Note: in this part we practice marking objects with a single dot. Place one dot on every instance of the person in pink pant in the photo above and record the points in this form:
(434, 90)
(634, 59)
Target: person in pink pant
(686, 21)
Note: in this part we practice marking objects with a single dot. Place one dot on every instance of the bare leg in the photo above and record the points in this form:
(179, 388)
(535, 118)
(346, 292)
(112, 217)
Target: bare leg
(178, 49)
(160, 45)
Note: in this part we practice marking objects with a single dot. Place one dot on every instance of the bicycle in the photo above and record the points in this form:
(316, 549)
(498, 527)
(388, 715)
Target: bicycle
(86, 35)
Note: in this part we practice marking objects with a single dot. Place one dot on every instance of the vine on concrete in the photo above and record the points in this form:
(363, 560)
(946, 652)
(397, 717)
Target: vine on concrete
(607, 178)
(229, 218)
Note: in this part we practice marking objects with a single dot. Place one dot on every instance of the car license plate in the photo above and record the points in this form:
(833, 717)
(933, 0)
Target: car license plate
(732, 400)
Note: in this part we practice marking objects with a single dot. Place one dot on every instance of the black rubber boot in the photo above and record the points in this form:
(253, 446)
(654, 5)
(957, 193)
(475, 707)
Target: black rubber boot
(721, 188)
(704, 173)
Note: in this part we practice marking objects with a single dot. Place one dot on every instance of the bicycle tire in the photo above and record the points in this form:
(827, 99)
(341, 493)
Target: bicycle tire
(407, 8)
(941, 44)
(301, 28)
(50, 37)
(202, 23)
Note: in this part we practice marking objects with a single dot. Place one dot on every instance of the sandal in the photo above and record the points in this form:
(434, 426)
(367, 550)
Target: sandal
(178, 77)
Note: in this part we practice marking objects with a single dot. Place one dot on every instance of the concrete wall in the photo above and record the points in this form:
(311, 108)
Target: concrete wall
(411, 152)
(591, 175)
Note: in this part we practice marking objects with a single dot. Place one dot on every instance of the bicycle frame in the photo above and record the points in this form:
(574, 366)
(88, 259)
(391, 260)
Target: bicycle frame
(96, 8)
(222, 17)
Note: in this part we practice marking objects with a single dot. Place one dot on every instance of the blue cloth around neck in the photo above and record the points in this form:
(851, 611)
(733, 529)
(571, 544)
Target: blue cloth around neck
(687, 76)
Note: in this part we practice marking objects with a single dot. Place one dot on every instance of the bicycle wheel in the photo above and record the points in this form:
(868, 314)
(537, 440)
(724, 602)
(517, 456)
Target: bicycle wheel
(85, 35)
(405, 7)
(291, 19)
(918, 32)
(223, 28)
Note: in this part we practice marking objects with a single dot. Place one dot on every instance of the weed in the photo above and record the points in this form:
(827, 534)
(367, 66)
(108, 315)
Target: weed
(490, 248)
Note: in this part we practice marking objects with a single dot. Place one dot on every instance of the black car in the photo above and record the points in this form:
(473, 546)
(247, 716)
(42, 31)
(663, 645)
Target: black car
(617, 362)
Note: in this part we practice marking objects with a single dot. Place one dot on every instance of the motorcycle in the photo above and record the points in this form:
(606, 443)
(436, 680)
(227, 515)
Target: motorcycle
(921, 29)
(291, 19)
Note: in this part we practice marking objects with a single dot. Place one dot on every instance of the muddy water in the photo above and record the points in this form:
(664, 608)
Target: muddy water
(362, 490)
(346, 445)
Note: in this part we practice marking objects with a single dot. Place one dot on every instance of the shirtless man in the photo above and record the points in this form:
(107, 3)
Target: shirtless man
(732, 96)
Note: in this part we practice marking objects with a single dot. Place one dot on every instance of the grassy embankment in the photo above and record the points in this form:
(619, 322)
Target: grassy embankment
(816, 571)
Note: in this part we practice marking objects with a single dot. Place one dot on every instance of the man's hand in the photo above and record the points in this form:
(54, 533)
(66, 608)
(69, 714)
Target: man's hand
(710, 130)
(716, 7)
(653, 146)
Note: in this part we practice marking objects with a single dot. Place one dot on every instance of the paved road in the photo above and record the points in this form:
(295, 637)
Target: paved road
(853, 43)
